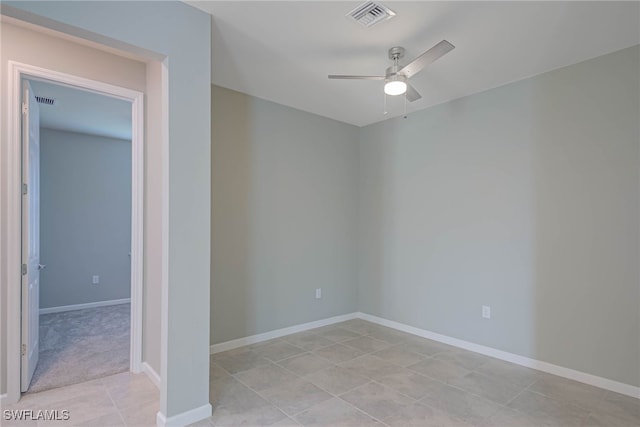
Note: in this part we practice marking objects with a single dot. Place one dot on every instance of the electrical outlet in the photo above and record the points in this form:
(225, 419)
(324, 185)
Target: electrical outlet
(318, 293)
(95, 280)
(486, 312)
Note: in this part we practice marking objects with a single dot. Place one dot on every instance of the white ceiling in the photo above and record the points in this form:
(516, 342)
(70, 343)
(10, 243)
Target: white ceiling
(83, 112)
(283, 51)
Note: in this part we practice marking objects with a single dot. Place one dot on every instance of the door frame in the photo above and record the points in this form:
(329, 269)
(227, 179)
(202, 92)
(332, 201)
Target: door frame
(17, 72)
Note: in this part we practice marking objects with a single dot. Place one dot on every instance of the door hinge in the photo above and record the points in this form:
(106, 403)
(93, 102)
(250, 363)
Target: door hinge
(25, 108)
(24, 269)
(24, 349)
(25, 188)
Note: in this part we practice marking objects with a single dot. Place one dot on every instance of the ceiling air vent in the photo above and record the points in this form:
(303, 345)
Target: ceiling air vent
(370, 13)
(45, 100)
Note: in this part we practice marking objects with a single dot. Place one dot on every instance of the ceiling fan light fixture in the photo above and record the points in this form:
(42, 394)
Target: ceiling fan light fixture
(396, 76)
(395, 85)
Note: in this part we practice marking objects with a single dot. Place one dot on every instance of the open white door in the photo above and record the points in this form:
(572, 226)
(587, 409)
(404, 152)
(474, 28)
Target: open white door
(30, 234)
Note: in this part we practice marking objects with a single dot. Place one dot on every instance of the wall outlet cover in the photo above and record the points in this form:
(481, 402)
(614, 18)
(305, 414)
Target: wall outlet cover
(486, 312)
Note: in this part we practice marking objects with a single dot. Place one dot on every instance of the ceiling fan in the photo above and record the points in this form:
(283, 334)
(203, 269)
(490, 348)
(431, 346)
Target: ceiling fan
(396, 75)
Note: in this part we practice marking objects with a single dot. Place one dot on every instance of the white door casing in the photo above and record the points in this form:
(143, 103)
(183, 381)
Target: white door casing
(30, 234)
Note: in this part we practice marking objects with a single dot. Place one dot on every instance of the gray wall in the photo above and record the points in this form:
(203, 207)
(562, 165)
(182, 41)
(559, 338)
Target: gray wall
(85, 218)
(524, 198)
(283, 216)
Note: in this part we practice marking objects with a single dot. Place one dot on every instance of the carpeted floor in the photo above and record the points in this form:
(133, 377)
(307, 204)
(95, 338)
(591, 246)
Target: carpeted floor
(81, 345)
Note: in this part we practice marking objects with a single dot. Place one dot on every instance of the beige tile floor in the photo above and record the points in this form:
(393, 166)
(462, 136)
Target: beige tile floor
(357, 373)
(352, 374)
(119, 400)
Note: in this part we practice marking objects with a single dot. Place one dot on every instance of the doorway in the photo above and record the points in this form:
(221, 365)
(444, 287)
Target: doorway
(23, 304)
(83, 272)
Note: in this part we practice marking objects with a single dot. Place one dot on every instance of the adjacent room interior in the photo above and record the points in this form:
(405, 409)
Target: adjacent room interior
(462, 250)
(84, 236)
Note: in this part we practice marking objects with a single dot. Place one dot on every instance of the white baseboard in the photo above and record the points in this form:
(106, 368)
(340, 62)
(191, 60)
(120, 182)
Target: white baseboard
(185, 418)
(62, 308)
(253, 339)
(151, 373)
(9, 398)
(560, 371)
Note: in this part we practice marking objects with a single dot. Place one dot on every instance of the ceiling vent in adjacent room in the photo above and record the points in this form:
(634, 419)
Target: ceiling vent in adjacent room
(45, 100)
(370, 13)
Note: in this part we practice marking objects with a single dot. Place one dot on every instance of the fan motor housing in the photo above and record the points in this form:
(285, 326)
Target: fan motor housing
(392, 71)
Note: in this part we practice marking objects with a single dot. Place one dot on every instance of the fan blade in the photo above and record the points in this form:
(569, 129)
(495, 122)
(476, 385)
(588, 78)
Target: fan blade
(426, 58)
(412, 94)
(339, 76)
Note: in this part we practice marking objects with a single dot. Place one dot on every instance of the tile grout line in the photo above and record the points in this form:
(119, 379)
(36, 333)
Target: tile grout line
(420, 400)
(587, 411)
(336, 396)
(263, 397)
(433, 356)
(293, 416)
(584, 408)
(106, 390)
(310, 352)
